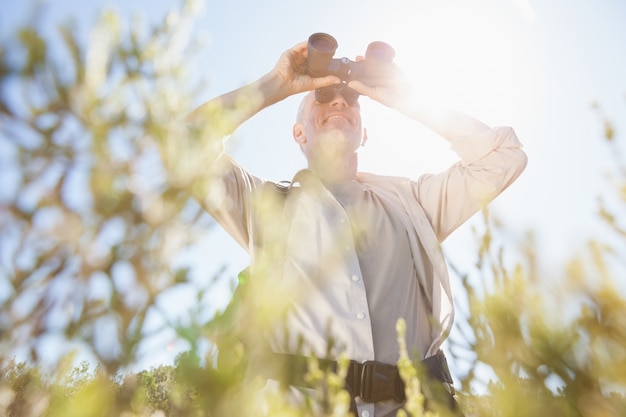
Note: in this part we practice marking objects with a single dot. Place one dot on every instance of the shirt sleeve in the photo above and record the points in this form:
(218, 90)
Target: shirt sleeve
(489, 162)
(230, 198)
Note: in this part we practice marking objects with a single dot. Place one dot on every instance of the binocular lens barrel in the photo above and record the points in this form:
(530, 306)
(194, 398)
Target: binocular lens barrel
(322, 43)
(321, 48)
(380, 51)
(373, 70)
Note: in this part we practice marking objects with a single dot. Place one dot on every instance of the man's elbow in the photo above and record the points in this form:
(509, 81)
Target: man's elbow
(517, 164)
(497, 177)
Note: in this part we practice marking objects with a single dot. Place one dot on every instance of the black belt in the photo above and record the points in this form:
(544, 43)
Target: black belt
(371, 381)
(374, 381)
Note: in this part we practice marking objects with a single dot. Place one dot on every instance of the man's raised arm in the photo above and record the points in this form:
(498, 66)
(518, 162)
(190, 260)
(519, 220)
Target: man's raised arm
(195, 141)
(490, 158)
(288, 77)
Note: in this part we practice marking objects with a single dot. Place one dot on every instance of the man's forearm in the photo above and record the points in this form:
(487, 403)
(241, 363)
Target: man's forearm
(224, 114)
(194, 142)
(446, 122)
(400, 95)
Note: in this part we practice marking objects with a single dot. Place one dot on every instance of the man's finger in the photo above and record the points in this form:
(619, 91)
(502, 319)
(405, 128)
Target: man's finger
(320, 82)
(361, 88)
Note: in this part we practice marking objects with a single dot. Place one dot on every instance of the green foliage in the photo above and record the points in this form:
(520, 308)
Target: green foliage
(556, 346)
(90, 227)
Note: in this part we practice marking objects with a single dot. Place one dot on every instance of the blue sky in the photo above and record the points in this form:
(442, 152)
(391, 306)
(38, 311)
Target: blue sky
(534, 65)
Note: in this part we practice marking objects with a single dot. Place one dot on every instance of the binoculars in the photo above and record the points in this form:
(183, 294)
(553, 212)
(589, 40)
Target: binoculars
(373, 71)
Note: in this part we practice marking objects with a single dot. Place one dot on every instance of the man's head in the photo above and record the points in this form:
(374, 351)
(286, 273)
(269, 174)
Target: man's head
(329, 124)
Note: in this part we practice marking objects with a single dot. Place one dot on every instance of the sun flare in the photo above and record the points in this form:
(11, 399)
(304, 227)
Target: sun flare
(469, 57)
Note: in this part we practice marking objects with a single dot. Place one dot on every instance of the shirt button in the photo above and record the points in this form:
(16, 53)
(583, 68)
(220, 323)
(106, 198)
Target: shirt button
(355, 278)
(342, 221)
(365, 413)
(360, 316)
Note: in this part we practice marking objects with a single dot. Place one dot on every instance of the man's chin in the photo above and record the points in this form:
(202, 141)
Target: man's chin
(336, 134)
(336, 146)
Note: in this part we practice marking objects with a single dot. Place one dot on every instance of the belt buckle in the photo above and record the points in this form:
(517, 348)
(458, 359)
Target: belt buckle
(377, 382)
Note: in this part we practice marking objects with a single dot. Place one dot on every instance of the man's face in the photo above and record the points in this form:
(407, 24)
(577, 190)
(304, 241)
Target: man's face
(332, 128)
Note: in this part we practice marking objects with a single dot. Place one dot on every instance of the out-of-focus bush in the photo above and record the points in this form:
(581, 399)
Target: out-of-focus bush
(90, 225)
(554, 345)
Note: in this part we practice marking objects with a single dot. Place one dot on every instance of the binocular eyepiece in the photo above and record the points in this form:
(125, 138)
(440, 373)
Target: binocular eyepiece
(373, 70)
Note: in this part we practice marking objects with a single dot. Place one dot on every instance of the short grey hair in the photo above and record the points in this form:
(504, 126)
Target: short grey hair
(300, 114)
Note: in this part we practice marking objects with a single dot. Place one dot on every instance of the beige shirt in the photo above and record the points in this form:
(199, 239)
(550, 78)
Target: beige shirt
(348, 261)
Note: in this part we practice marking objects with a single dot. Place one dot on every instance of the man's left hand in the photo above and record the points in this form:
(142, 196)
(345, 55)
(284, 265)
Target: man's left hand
(394, 93)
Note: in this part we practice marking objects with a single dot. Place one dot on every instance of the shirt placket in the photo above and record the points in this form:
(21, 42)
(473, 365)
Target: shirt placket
(359, 307)
(362, 346)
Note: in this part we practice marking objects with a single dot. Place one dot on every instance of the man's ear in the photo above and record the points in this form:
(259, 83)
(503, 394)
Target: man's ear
(298, 133)
(364, 138)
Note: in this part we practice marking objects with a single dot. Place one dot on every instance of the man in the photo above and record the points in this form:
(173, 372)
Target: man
(346, 254)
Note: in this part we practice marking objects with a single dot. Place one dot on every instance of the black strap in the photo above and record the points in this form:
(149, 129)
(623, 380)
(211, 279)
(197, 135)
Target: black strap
(371, 381)
(375, 381)
(437, 367)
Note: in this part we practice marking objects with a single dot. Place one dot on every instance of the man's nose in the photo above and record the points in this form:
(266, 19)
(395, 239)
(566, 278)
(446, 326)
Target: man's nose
(338, 100)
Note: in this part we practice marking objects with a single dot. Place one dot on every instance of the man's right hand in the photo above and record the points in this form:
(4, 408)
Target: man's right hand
(290, 72)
